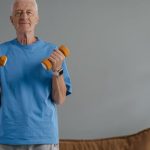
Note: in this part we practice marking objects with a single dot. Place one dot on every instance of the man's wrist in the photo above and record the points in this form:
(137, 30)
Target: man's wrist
(58, 72)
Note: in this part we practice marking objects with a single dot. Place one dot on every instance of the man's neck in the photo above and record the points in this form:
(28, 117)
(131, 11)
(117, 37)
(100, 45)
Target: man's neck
(26, 38)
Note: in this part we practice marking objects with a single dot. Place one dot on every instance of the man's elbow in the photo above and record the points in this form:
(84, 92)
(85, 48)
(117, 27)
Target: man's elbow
(60, 97)
(60, 100)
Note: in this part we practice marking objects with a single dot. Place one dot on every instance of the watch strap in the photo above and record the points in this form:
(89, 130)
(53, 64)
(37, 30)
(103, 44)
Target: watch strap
(58, 73)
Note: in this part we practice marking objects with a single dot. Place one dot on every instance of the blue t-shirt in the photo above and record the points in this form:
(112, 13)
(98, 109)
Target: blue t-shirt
(28, 114)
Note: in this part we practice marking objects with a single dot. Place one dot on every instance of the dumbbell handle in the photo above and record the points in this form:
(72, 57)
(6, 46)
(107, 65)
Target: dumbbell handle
(46, 63)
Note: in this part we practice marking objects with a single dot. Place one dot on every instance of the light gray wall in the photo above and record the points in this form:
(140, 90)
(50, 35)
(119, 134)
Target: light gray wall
(109, 63)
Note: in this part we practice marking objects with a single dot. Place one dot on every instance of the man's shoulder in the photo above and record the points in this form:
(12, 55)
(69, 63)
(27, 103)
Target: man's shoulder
(4, 46)
(6, 43)
(49, 44)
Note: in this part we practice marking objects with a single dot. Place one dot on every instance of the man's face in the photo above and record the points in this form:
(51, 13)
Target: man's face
(24, 16)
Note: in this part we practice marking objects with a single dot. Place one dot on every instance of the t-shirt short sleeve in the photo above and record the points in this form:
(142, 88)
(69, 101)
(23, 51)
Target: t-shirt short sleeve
(67, 78)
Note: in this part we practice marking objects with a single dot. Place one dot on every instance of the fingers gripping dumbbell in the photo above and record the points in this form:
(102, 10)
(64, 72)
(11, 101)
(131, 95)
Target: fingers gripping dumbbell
(46, 63)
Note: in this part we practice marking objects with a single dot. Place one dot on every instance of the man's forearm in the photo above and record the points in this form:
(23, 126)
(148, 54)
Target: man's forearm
(58, 89)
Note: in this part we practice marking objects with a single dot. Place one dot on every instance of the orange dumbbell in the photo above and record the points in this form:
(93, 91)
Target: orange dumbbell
(3, 60)
(46, 63)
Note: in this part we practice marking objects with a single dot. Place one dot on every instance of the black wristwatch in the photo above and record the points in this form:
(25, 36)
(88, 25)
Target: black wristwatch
(58, 73)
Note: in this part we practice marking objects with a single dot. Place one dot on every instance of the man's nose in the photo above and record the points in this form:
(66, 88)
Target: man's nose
(24, 15)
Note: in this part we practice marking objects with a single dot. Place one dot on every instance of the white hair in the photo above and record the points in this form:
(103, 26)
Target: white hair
(15, 1)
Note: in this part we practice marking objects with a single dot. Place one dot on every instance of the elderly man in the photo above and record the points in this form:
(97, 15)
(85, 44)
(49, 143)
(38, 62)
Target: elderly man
(29, 93)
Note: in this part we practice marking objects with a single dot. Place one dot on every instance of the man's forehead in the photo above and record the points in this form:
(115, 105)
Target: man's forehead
(24, 5)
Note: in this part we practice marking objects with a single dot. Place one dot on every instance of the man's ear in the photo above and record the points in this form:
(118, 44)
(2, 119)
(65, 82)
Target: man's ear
(11, 19)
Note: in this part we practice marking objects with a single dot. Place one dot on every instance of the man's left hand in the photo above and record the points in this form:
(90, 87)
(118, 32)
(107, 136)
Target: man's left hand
(56, 58)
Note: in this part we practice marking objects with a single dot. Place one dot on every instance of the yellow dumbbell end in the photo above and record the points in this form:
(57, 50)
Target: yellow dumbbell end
(3, 60)
(64, 50)
(46, 64)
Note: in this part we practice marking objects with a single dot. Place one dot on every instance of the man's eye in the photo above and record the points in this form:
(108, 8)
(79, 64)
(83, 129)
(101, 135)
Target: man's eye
(29, 13)
(17, 13)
